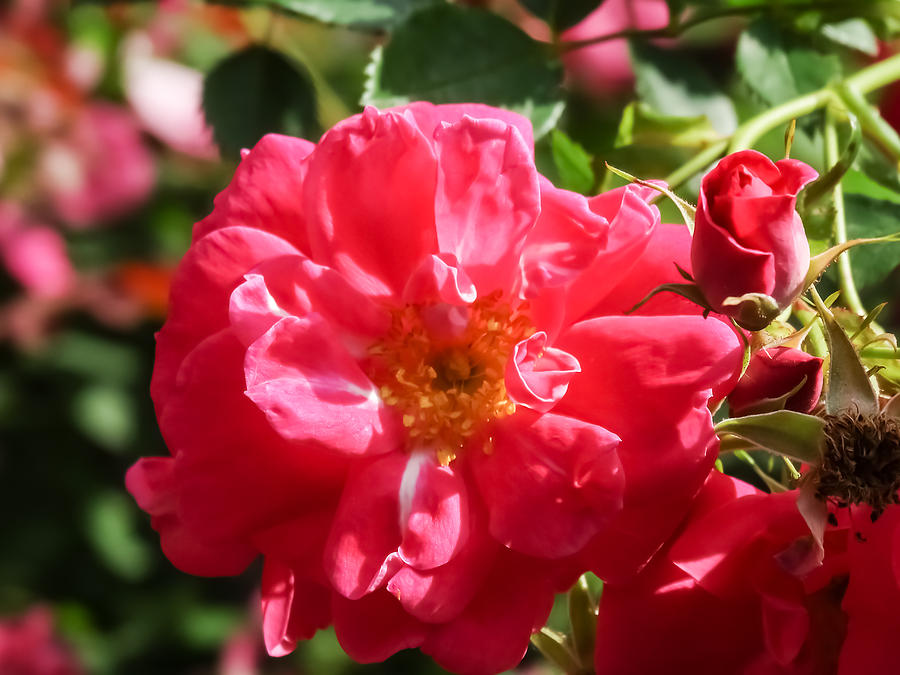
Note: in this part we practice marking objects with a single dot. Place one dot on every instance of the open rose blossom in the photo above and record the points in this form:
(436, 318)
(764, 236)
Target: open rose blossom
(738, 591)
(389, 369)
(778, 378)
(750, 254)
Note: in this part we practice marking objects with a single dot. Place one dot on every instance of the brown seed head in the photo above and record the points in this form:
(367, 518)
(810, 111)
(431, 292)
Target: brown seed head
(860, 461)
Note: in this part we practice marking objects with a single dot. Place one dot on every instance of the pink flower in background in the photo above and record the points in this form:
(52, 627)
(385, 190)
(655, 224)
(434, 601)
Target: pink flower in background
(34, 255)
(28, 647)
(772, 374)
(606, 66)
(395, 364)
(99, 169)
(166, 97)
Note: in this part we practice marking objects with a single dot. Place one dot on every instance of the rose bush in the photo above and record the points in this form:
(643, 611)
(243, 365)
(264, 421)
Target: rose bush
(396, 366)
(738, 591)
(750, 255)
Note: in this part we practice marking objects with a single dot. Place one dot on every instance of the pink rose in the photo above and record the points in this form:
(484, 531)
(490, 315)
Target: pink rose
(99, 169)
(395, 365)
(734, 592)
(28, 646)
(750, 254)
(166, 97)
(34, 255)
(606, 66)
(778, 378)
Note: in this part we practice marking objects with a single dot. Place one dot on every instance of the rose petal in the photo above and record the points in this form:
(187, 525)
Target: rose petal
(496, 626)
(440, 278)
(538, 376)
(292, 609)
(212, 268)
(310, 389)
(361, 548)
(372, 173)
(487, 200)
(429, 117)
(563, 243)
(549, 484)
(295, 286)
(374, 627)
(265, 192)
(153, 484)
(434, 515)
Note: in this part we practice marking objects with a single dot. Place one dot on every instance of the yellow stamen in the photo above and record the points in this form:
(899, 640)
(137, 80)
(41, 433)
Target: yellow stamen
(447, 393)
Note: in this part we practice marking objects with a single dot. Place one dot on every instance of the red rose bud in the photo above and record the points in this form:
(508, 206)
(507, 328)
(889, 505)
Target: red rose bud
(778, 378)
(750, 255)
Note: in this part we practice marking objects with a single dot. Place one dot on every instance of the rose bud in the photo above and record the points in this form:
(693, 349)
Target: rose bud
(778, 378)
(750, 255)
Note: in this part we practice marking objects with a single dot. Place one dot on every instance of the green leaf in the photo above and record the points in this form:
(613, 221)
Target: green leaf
(554, 646)
(573, 163)
(358, 14)
(853, 33)
(778, 68)
(106, 415)
(254, 92)
(868, 217)
(450, 54)
(673, 84)
(94, 358)
(785, 432)
(561, 14)
(690, 292)
(877, 167)
(110, 524)
(849, 387)
(856, 182)
(583, 620)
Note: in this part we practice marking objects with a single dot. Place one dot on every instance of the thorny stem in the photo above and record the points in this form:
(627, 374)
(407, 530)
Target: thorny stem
(845, 272)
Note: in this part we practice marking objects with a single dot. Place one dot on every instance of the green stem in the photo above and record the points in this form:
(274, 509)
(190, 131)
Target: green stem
(872, 122)
(751, 130)
(697, 163)
(845, 272)
(677, 26)
(866, 80)
(880, 353)
(875, 76)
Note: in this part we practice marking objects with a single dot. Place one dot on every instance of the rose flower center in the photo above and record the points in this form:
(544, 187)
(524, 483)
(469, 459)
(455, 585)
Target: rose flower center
(448, 383)
(860, 461)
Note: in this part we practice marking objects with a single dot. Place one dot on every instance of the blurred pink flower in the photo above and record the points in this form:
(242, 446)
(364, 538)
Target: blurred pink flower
(34, 255)
(166, 98)
(99, 169)
(28, 647)
(606, 67)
